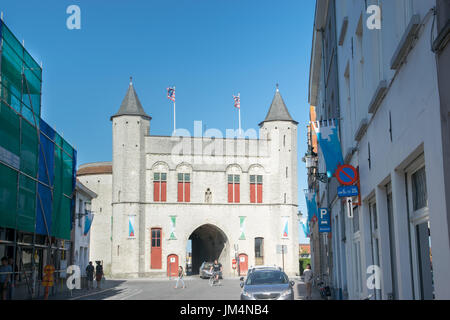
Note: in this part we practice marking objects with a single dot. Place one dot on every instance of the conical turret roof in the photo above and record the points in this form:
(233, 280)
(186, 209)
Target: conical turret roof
(131, 106)
(278, 110)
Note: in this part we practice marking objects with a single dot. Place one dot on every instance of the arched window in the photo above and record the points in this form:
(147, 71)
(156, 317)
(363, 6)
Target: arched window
(160, 187)
(160, 182)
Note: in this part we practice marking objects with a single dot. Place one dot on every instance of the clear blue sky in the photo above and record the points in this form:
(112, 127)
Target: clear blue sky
(209, 49)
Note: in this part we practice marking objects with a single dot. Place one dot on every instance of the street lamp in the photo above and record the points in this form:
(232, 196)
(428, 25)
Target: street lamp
(87, 210)
(311, 159)
(299, 215)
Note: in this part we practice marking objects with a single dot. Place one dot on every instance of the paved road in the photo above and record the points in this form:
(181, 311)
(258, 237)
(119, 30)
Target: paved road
(150, 289)
(146, 289)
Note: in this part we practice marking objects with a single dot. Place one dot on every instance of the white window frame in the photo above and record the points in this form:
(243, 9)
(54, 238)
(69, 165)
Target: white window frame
(416, 218)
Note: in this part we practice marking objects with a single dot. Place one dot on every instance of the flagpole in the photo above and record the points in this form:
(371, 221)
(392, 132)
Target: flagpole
(174, 121)
(240, 132)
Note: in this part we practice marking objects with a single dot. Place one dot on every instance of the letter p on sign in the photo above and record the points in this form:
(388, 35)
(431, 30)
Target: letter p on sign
(323, 216)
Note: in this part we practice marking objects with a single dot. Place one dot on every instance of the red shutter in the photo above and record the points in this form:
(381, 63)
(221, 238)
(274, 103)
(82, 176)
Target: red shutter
(260, 193)
(187, 192)
(180, 191)
(230, 192)
(252, 193)
(164, 191)
(156, 191)
(237, 193)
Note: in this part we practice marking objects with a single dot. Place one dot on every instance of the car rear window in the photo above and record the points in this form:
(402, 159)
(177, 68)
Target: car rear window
(262, 277)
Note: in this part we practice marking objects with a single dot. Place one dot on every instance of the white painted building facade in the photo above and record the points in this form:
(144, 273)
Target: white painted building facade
(81, 241)
(222, 194)
(390, 129)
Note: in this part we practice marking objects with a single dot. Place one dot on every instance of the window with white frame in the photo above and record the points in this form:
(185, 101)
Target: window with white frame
(420, 230)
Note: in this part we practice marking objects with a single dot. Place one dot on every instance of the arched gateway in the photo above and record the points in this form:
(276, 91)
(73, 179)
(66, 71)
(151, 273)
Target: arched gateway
(209, 243)
(231, 197)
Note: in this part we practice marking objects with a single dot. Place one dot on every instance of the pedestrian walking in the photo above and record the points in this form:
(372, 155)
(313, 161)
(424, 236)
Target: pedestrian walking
(5, 277)
(99, 274)
(90, 275)
(180, 277)
(308, 278)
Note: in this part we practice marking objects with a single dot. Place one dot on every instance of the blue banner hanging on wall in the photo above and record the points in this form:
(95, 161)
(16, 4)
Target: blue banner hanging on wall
(327, 136)
(305, 227)
(311, 204)
(88, 222)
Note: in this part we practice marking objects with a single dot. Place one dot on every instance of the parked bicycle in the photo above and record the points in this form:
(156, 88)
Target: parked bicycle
(324, 288)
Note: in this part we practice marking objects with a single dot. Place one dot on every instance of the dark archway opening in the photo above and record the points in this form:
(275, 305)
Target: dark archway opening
(208, 243)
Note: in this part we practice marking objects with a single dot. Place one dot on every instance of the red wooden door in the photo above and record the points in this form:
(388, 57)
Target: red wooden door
(243, 264)
(172, 265)
(156, 252)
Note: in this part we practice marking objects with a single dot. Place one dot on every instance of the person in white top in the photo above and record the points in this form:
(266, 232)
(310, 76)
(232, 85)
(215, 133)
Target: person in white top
(308, 278)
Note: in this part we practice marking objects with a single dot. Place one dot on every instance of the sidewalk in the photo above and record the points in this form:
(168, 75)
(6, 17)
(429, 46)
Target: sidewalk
(107, 286)
(300, 291)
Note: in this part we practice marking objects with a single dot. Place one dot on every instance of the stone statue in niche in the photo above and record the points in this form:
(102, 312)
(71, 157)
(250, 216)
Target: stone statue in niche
(208, 196)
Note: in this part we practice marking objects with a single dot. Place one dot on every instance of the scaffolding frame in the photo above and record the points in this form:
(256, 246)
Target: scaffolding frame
(59, 151)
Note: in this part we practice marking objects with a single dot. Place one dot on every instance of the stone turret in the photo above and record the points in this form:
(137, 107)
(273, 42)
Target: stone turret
(130, 126)
(281, 132)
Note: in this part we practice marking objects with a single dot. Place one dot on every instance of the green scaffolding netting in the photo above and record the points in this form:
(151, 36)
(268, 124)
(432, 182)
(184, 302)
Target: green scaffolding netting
(26, 209)
(29, 149)
(67, 175)
(11, 69)
(8, 196)
(61, 222)
(21, 76)
(10, 129)
(26, 197)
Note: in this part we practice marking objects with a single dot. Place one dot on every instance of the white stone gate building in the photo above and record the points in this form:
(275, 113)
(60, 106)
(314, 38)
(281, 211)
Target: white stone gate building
(159, 192)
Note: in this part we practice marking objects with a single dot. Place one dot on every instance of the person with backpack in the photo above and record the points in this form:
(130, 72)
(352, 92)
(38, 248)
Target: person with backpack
(99, 274)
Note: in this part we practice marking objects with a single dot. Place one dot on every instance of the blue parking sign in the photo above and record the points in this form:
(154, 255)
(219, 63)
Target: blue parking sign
(324, 220)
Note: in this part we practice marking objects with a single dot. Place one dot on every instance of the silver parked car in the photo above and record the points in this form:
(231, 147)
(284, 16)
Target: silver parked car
(267, 284)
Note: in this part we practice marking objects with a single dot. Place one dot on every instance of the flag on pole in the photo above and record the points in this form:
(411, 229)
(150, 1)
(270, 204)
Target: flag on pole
(237, 101)
(171, 93)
